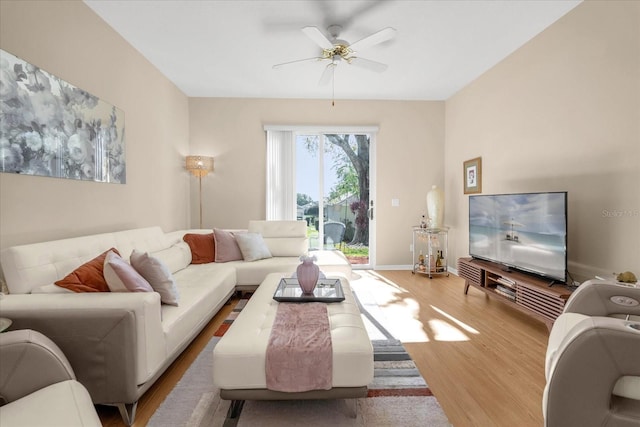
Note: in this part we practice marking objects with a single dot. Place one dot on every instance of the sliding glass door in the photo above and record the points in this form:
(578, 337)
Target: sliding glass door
(333, 192)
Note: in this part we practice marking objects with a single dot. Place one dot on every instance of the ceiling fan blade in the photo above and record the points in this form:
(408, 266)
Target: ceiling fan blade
(378, 67)
(278, 66)
(373, 39)
(327, 74)
(316, 35)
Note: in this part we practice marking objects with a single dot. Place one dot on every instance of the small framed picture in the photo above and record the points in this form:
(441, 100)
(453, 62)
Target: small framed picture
(472, 171)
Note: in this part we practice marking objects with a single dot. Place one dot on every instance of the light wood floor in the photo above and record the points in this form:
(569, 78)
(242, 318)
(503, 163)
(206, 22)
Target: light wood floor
(483, 360)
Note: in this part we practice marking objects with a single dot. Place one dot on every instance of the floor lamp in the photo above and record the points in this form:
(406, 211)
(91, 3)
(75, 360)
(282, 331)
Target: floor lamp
(199, 166)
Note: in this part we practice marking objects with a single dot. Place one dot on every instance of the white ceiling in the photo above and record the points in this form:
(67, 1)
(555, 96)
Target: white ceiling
(216, 48)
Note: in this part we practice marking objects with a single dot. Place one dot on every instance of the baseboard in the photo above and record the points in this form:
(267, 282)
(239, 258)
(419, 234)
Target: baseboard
(409, 267)
(393, 267)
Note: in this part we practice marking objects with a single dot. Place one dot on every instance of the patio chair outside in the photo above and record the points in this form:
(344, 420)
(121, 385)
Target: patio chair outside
(334, 230)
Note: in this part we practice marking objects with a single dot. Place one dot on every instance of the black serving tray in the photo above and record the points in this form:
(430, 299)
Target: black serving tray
(327, 290)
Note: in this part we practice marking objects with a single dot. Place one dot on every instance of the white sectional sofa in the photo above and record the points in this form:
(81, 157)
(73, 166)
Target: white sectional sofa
(119, 343)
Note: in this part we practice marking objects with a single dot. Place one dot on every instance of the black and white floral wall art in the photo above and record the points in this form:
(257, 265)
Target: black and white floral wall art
(51, 128)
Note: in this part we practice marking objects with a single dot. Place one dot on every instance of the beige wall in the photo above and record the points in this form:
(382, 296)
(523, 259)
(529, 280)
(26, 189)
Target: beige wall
(68, 40)
(410, 158)
(561, 113)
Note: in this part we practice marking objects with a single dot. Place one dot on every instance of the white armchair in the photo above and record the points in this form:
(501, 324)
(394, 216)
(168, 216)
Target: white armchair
(593, 359)
(38, 386)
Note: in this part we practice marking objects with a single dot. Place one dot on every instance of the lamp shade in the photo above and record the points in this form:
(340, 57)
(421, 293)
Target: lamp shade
(199, 165)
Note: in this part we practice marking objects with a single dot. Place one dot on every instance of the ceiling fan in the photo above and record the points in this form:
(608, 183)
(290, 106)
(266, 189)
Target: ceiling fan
(335, 50)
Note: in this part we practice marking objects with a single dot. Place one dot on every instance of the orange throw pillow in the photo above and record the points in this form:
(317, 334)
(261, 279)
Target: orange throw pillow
(203, 249)
(88, 277)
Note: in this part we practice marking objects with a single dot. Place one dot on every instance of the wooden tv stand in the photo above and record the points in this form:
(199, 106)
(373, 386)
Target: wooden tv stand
(527, 293)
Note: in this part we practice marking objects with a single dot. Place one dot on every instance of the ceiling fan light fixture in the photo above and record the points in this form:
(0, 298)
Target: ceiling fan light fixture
(335, 50)
(338, 50)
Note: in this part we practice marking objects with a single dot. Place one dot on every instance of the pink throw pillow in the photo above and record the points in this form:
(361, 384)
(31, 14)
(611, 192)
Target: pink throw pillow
(122, 277)
(227, 248)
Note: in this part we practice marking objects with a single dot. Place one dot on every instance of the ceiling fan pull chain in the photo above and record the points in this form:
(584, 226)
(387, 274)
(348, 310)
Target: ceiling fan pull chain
(333, 89)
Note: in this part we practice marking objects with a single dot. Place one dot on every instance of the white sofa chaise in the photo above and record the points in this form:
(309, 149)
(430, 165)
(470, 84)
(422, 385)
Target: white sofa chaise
(119, 343)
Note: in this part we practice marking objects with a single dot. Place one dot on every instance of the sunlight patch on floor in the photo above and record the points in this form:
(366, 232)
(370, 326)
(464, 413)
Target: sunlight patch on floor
(383, 280)
(392, 306)
(384, 301)
(403, 323)
(456, 321)
(444, 331)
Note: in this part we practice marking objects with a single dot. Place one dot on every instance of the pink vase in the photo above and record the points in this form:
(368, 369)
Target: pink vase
(308, 273)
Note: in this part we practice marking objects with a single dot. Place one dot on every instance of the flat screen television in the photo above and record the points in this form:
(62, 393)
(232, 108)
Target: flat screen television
(526, 231)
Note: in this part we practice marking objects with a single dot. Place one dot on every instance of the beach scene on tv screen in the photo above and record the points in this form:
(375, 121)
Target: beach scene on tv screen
(526, 231)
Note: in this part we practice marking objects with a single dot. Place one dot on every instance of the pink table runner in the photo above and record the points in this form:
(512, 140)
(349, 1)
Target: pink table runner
(299, 353)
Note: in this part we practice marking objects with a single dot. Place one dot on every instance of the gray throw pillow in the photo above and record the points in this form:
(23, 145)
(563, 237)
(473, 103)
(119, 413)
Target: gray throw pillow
(252, 246)
(157, 274)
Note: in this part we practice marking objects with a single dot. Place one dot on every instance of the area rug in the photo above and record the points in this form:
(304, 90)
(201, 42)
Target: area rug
(398, 394)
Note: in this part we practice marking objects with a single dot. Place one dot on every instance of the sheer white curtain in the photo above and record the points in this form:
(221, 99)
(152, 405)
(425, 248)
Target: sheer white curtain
(281, 182)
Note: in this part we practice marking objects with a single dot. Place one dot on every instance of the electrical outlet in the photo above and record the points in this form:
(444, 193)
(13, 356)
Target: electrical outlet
(411, 247)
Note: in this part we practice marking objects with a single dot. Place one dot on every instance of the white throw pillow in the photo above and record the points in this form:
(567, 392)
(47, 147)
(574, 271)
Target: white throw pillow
(252, 246)
(157, 274)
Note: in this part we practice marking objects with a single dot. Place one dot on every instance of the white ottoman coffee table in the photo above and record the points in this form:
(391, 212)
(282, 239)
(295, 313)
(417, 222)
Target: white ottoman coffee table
(239, 357)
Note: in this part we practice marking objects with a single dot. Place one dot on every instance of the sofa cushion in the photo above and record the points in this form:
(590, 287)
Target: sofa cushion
(89, 277)
(252, 246)
(122, 277)
(283, 238)
(158, 276)
(176, 257)
(203, 289)
(51, 289)
(287, 246)
(227, 248)
(253, 273)
(149, 239)
(202, 247)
